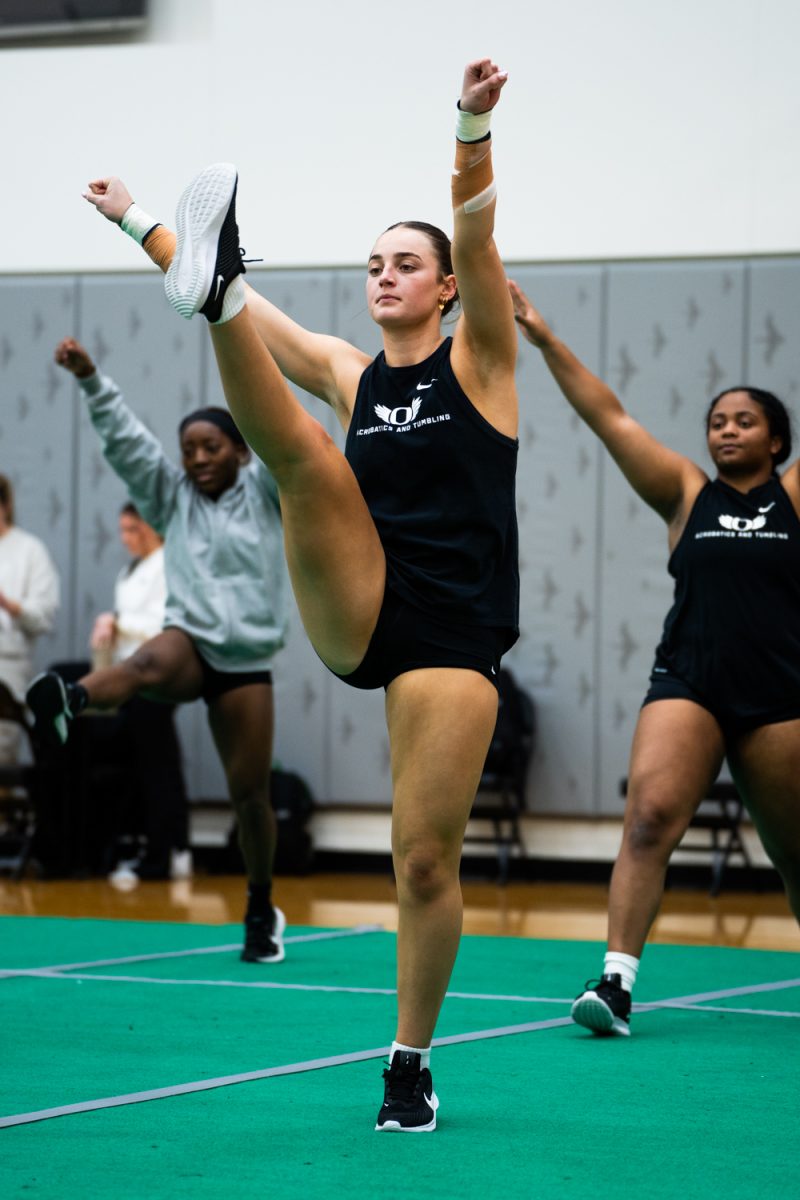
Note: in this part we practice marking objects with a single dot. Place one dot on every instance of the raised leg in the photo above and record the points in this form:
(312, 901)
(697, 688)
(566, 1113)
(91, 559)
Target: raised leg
(336, 561)
(165, 668)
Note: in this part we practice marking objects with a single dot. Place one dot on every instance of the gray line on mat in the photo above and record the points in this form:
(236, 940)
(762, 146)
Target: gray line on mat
(313, 1064)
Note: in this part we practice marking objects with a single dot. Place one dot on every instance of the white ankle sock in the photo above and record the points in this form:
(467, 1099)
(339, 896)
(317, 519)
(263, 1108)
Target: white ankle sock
(624, 965)
(233, 302)
(424, 1055)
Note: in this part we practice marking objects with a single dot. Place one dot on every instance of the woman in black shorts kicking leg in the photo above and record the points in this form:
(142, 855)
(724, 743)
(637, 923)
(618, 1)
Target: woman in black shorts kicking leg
(726, 678)
(403, 551)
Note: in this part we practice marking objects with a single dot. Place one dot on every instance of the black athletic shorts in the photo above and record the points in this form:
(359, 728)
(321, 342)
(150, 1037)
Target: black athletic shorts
(217, 683)
(734, 718)
(407, 639)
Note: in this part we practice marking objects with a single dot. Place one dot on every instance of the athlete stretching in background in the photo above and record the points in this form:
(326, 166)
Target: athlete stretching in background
(726, 679)
(402, 551)
(225, 616)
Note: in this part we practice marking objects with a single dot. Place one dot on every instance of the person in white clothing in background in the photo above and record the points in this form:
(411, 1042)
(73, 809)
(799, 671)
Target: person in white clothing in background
(146, 726)
(29, 598)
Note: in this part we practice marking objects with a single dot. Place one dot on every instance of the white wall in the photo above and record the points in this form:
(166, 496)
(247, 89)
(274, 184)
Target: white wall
(628, 128)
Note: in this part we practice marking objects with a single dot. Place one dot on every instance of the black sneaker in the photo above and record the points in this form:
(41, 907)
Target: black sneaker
(605, 1007)
(207, 255)
(409, 1101)
(263, 938)
(48, 700)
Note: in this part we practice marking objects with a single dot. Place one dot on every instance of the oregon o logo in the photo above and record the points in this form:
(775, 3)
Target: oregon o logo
(403, 415)
(742, 524)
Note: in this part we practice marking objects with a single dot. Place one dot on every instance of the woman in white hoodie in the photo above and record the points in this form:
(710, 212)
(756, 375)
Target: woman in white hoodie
(29, 595)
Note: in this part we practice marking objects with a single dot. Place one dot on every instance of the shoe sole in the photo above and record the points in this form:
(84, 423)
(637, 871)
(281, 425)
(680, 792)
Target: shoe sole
(277, 937)
(591, 1012)
(199, 218)
(47, 699)
(396, 1127)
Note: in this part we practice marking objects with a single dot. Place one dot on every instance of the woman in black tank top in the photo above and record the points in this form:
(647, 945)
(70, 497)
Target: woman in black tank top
(402, 554)
(726, 681)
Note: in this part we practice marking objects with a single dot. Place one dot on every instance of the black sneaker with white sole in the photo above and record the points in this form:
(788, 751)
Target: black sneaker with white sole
(207, 255)
(409, 1102)
(604, 1007)
(48, 699)
(263, 938)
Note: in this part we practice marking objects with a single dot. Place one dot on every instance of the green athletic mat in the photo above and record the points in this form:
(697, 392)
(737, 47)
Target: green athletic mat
(698, 1103)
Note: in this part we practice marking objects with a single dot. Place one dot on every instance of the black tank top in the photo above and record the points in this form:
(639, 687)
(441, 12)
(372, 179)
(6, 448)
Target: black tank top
(734, 628)
(438, 480)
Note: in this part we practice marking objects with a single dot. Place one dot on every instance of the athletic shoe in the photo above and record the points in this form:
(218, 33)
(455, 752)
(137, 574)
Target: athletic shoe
(48, 700)
(207, 255)
(605, 1007)
(180, 864)
(130, 871)
(125, 875)
(263, 938)
(409, 1101)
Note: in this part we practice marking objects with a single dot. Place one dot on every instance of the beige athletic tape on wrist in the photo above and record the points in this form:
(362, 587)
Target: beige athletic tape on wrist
(159, 244)
(137, 223)
(473, 185)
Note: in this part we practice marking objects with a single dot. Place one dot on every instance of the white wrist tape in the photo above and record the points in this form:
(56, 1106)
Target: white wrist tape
(471, 127)
(137, 223)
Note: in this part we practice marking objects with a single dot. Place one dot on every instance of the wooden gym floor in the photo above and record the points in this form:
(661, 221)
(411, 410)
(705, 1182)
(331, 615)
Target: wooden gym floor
(536, 910)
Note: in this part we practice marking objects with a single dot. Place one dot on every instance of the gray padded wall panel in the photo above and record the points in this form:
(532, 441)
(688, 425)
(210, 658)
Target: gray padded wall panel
(675, 338)
(37, 429)
(773, 355)
(557, 496)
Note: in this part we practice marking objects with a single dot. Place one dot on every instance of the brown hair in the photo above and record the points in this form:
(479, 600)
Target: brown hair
(7, 497)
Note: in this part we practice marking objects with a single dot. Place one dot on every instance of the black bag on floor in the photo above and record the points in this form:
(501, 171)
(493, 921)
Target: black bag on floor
(293, 804)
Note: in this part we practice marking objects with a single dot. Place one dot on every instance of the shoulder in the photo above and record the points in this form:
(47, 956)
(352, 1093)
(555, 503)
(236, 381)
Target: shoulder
(22, 540)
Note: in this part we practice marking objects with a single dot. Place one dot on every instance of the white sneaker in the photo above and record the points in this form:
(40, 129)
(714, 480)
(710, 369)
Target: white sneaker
(180, 864)
(124, 874)
(207, 256)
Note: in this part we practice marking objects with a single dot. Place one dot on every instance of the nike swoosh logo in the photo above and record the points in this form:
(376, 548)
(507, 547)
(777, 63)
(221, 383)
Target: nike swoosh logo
(220, 281)
(429, 1100)
(421, 387)
(769, 506)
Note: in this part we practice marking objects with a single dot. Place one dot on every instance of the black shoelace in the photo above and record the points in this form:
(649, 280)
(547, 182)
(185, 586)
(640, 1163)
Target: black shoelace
(404, 1084)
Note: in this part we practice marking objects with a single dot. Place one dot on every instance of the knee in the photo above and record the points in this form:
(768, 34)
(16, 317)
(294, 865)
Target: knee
(652, 825)
(145, 666)
(249, 791)
(423, 873)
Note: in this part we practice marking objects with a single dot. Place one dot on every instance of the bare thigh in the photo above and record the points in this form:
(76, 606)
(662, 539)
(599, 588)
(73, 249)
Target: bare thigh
(166, 668)
(766, 766)
(335, 557)
(677, 751)
(441, 722)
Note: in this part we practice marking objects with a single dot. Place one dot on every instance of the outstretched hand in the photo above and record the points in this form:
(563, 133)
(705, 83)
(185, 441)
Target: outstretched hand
(71, 355)
(533, 325)
(483, 82)
(110, 197)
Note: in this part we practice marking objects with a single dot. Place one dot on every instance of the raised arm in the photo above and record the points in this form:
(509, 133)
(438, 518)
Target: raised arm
(664, 479)
(133, 452)
(325, 366)
(485, 343)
